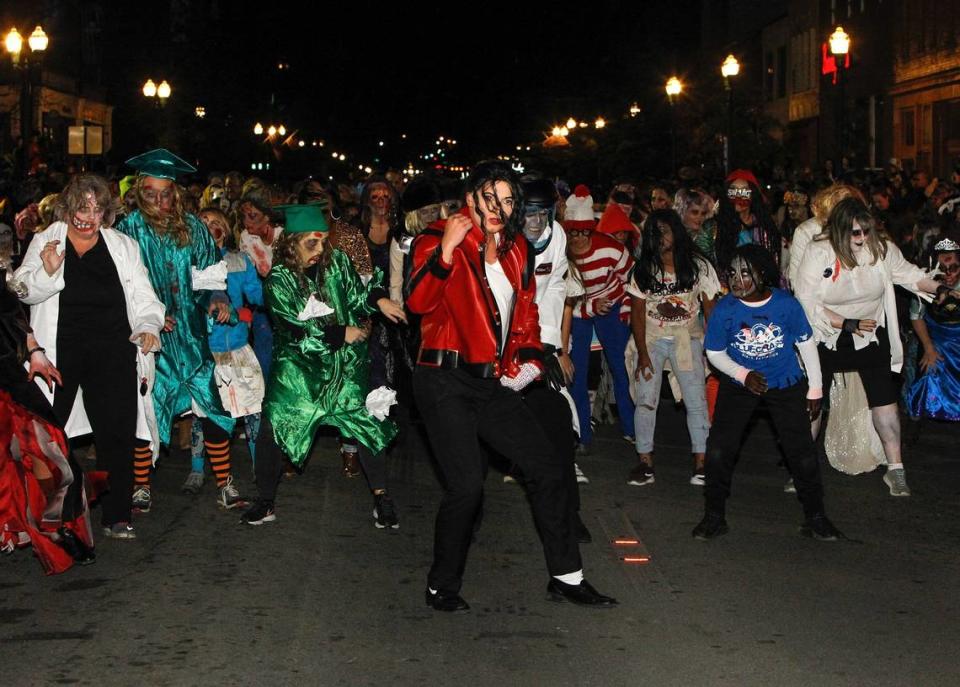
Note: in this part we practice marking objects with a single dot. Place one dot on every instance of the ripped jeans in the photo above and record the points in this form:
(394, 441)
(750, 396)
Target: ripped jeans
(692, 386)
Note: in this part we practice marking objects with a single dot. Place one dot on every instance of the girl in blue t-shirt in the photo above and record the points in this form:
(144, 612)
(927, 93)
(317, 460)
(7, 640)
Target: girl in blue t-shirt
(751, 340)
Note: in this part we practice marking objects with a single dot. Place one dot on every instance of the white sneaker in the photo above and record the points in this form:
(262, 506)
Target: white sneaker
(897, 482)
(229, 496)
(581, 478)
(788, 488)
(698, 478)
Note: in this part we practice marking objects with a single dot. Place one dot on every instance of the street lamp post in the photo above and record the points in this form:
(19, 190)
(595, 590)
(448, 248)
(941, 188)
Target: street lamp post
(673, 88)
(161, 93)
(23, 62)
(729, 69)
(840, 48)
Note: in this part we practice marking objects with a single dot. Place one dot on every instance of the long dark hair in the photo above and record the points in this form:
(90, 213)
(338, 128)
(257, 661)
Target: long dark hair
(285, 253)
(728, 226)
(490, 172)
(687, 258)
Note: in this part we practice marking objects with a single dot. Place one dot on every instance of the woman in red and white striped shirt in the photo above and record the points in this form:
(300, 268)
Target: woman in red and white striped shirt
(604, 266)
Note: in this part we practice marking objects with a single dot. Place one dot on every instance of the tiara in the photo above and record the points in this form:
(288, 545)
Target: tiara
(946, 245)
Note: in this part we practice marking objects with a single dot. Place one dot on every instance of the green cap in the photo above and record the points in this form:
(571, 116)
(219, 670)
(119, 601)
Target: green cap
(302, 219)
(160, 164)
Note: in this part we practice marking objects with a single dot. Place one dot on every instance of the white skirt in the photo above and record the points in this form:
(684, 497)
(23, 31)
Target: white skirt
(240, 381)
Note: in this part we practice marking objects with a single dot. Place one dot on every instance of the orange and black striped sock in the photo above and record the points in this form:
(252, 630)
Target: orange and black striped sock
(219, 455)
(142, 463)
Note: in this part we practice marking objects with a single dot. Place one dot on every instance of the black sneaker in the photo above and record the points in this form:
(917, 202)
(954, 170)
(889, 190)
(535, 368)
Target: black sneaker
(712, 526)
(819, 527)
(259, 513)
(640, 475)
(385, 512)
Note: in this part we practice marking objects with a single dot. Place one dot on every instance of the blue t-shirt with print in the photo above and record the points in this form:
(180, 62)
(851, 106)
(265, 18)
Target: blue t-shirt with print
(761, 338)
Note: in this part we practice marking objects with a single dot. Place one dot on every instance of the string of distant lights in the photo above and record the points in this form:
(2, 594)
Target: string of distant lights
(436, 158)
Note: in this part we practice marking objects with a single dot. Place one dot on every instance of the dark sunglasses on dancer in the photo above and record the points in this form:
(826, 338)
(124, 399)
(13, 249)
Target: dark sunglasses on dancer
(579, 232)
(860, 232)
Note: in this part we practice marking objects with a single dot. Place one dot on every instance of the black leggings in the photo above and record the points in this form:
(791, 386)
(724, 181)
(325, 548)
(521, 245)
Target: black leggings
(269, 464)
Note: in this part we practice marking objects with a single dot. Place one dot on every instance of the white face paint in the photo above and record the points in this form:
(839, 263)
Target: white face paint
(858, 237)
(742, 279)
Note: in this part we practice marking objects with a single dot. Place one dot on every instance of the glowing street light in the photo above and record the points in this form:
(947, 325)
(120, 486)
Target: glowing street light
(13, 42)
(38, 40)
(149, 89)
(282, 130)
(730, 67)
(200, 111)
(571, 123)
(564, 131)
(555, 131)
(257, 129)
(271, 131)
(163, 90)
(839, 42)
(600, 123)
(673, 87)
(635, 109)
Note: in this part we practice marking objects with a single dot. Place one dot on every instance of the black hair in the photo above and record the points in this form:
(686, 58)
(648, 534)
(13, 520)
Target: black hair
(760, 259)
(490, 172)
(688, 261)
(728, 226)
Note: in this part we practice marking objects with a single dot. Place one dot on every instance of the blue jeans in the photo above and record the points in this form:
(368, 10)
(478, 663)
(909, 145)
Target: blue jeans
(692, 386)
(613, 335)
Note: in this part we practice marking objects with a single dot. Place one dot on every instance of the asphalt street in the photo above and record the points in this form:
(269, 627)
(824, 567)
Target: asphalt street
(321, 597)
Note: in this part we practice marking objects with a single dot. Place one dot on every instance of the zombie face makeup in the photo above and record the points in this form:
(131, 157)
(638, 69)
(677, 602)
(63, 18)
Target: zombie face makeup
(743, 279)
(254, 221)
(310, 247)
(535, 222)
(380, 200)
(693, 217)
(428, 215)
(494, 208)
(160, 193)
(949, 264)
(216, 226)
(858, 237)
(87, 218)
(740, 194)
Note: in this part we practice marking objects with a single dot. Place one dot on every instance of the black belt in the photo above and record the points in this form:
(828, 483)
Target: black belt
(451, 360)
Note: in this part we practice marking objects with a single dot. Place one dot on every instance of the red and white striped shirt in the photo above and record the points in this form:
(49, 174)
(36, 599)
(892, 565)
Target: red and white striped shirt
(604, 270)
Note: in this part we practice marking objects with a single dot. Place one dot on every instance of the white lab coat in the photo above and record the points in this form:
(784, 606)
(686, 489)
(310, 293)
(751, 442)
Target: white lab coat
(145, 314)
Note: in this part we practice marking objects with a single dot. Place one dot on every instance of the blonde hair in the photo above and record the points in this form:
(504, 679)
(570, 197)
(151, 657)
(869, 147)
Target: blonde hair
(827, 198)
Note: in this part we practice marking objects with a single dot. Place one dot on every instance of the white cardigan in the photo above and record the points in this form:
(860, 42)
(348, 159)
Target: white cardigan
(145, 314)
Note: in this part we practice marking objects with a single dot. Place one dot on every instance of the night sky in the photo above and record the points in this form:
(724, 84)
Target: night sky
(491, 75)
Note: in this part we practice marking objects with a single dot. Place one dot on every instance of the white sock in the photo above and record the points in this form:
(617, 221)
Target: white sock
(895, 466)
(349, 448)
(432, 590)
(573, 578)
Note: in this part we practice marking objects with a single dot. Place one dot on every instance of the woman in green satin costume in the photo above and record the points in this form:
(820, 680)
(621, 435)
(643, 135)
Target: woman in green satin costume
(320, 370)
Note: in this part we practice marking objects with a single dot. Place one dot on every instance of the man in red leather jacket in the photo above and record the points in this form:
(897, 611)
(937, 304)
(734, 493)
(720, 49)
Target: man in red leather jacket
(472, 280)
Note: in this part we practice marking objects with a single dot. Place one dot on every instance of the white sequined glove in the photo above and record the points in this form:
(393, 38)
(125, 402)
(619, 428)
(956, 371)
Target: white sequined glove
(528, 373)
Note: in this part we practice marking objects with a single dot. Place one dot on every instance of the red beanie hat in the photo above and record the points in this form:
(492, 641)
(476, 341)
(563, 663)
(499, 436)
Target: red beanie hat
(613, 220)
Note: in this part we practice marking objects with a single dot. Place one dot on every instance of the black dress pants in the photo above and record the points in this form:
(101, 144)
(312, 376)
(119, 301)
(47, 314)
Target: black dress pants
(459, 411)
(788, 410)
(108, 378)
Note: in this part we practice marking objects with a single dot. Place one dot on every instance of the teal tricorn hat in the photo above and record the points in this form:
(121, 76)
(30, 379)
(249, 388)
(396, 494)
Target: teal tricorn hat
(160, 164)
(301, 219)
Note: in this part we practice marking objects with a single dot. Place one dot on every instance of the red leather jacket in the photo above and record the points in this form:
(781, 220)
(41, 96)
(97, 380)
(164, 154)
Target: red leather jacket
(461, 323)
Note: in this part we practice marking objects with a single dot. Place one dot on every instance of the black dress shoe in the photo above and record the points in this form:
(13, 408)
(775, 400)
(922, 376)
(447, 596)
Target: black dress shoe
(73, 545)
(449, 603)
(583, 534)
(582, 594)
